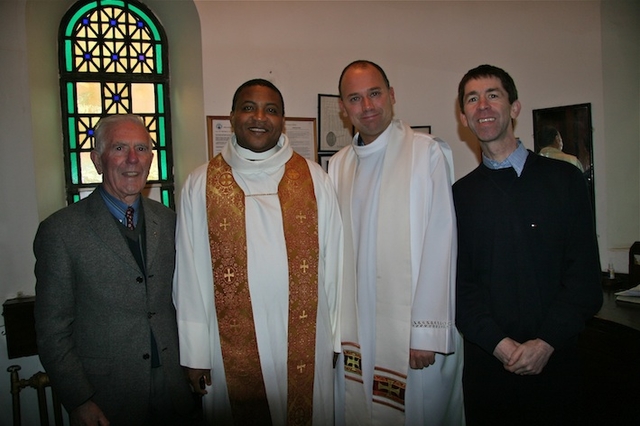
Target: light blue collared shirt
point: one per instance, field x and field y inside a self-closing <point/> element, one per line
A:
<point x="516" y="160"/>
<point x="118" y="208"/>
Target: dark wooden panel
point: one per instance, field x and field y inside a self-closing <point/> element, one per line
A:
<point x="20" y="327"/>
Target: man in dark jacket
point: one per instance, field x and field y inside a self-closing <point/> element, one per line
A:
<point x="528" y="267"/>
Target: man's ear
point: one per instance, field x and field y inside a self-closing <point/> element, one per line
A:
<point x="97" y="161"/>
<point x="515" y="109"/>
<point x="343" y="110"/>
<point x="463" y="119"/>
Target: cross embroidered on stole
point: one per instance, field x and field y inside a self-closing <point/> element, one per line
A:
<point x="228" y="243"/>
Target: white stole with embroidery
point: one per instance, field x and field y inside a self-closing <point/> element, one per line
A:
<point x="393" y="302"/>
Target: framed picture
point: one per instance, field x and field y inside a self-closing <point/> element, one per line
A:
<point x="323" y="159"/>
<point x="218" y="133"/>
<point x="422" y="129"/>
<point x="335" y="132"/>
<point x="565" y="132"/>
<point x="301" y="133"/>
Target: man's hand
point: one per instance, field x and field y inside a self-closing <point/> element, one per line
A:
<point x="421" y="359"/>
<point x="88" y="414"/>
<point x="530" y="357"/>
<point x="505" y="349"/>
<point x="197" y="378"/>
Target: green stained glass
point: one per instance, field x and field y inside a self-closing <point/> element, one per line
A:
<point x="76" y="198"/>
<point x="165" y="197"/>
<point x="73" y="158"/>
<point x="160" y="89"/>
<point x="161" y="135"/>
<point x="163" y="164"/>
<point x="159" y="58"/>
<point x="70" y="99"/>
<point x="117" y="3"/>
<point x="73" y="139"/>
<point x="68" y="49"/>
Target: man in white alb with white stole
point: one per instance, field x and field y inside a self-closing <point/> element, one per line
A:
<point x="402" y="355"/>
<point x="258" y="275"/>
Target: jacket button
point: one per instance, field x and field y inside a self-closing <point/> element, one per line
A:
<point x="139" y="280"/>
<point x="150" y="314"/>
<point x="145" y="356"/>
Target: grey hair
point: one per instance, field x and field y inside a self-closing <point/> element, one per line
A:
<point x="106" y="125"/>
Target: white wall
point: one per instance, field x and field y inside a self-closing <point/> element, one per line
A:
<point x="553" y="50"/>
<point x="558" y="52"/>
<point x="621" y="89"/>
<point x="19" y="213"/>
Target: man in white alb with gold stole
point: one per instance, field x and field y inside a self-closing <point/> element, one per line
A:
<point x="402" y="355"/>
<point x="258" y="275"/>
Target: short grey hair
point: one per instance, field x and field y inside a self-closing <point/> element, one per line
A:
<point x="106" y="125"/>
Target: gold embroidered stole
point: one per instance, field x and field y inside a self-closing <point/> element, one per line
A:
<point x="228" y="243"/>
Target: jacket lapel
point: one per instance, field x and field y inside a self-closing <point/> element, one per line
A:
<point x="153" y="229"/>
<point x="101" y="221"/>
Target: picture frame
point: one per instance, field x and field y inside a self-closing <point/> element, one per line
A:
<point x="334" y="131"/>
<point x="323" y="159"/>
<point x="302" y="135"/>
<point x="219" y="132"/>
<point x="300" y="130"/>
<point x="573" y="122"/>
<point x="422" y="129"/>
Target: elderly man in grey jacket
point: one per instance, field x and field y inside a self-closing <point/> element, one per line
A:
<point x="105" y="321"/>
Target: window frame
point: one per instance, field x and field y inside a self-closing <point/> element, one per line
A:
<point x="77" y="127"/>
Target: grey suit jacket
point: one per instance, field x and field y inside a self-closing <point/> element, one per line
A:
<point x="95" y="308"/>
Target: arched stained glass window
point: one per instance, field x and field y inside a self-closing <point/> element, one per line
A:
<point x="113" y="60"/>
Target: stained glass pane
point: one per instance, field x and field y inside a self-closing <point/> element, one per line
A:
<point x="163" y="164"/>
<point x="143" y="98"/>
<point x="161" y="137"/>
<point x="86" y="126"/>
<point x="160" y="98"/>
<point x="73" y="159"/>
<point x="71" y="102"/>
<point x="153" y="173"/>
<point x="165" y="197"/>
<point x="89" y="172"/>
<point x="89" y="99"/>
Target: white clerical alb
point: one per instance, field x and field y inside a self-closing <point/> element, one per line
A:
<point x="268" y="281"/>
<point x="395" y="198"/>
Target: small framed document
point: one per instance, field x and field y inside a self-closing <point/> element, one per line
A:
<point x="302" y="135"/>
<point x="335" y="132"/>
<point x="218" y="133"/>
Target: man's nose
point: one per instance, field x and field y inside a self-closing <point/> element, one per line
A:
<point x="260" y="114"/>
<point x="132" y="157"/>
<point x="367" y="104"/>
